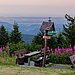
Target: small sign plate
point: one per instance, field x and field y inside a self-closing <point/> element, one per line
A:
<point x="51" y="33"/>
<point x="47" y="37"/>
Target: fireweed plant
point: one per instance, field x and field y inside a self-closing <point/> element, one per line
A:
<point x="60" y="55"/>
<point x="5" y="52"/>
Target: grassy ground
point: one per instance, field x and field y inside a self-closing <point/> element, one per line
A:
<point x="8" y="67"/>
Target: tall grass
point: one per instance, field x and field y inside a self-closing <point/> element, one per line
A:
<point x="8" y="60"/>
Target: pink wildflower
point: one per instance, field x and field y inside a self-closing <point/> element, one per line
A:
<point x="61" y="53"/>
<point x="59" y="49"/>
<point x="70" y="50"/>
<point x="56" y="51"/>
<point x="51" y="50"/>
<point x="7" y="47"/>
<point x="12" y="54"/>
<point x="1" y="50"/>
<point x="3" y="47"/>
<point x="47" y="48"/>
<point x="67" y="50"/>
<point x="70" y="45"/>
<point x="5" y="52"/>
<point x="74" y="48"/>
<point x="63" y="50"/>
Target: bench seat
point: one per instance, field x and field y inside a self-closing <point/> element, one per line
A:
<point x="38" y="62"/>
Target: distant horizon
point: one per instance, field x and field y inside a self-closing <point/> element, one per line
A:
<point x="36" y="16"/>
<point x="39" y="16"/>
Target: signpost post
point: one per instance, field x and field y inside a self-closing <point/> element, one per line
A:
<point x="44" y="58"/>
<point x="49" y="30"/>
<point x="50" y="33"/>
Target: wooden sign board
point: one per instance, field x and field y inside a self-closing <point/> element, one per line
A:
<point x="46" y="37"/>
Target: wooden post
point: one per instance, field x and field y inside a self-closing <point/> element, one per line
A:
<point x="44" y="58"/>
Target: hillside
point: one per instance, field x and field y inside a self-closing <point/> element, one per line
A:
<point x="27" y="38"/>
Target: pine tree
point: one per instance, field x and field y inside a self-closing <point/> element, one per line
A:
<point x="4" y="37"/>
<point x="69" y="30"/>
<point x="38" y="39"/>
<point x="15" y="36"/>
<point x="61" y="41"/>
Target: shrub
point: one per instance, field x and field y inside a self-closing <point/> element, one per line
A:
<point x="61" y="55"/>
<point x="31" y="48"/>
<point x="60" y="59"/>
<point x="15" y="47"/>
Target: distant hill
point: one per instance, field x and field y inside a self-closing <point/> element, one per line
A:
<point x="27" y="38"/>
<point x="7" y="25"/>
<point x="31" y="29"/>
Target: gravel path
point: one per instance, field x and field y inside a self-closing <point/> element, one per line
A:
<point x="54" y="66"/>
<point x="60" y="67"/>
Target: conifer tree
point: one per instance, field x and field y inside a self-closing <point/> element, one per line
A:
<point x="38" y="39"/>
<point x="15" y="36"/>
<point x="69" y="30"/>
<point x="4" y="37"/>
<point x="61" y="41"/>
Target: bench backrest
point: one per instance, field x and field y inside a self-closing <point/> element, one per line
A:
<point x="72" y="58"/>
<point x="20" y="52"/>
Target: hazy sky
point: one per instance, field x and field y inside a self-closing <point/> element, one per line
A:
<point x="37" y="8"/>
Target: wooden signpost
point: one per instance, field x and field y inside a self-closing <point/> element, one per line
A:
<point x="49" y="30"/>
<point x="49" y="33"/>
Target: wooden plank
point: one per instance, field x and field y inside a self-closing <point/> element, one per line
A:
<point x="33" y="53"/>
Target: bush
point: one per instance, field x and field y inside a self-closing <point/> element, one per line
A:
<point x="31" y="48"/>
<point x="60" y="59"/>
<point x="15" y="47"/>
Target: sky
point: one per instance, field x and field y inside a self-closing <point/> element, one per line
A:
<point x="36" y="8"/>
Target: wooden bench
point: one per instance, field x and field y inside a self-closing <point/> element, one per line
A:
<point x="20" y="57"/>
<point x="29" y="55"/>
<point x="72" y="58"/>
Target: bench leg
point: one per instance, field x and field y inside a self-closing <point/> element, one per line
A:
<point x="29" y="61"/>
<point x="35" y="57"/>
